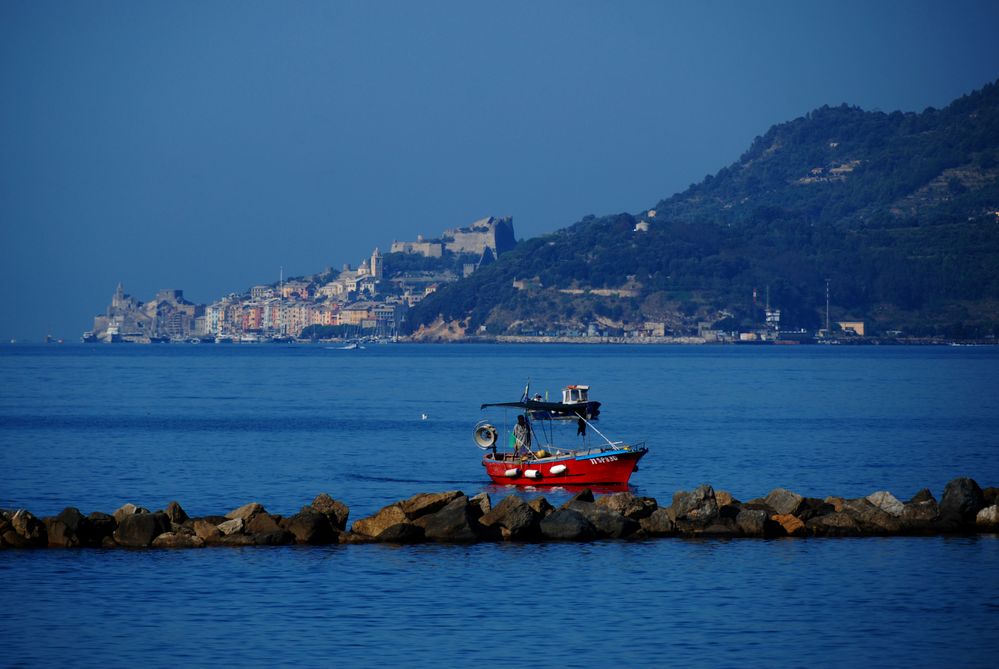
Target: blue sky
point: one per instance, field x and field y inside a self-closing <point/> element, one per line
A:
<point x="203" y="145"/>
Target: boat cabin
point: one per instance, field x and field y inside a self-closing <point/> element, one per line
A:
<point x="575" y="394"/>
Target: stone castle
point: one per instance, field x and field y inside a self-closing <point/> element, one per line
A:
<point x="493" y="233"/>
<point x="168" y="315"/>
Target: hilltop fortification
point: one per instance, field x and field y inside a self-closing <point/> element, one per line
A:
<point x="492" y="233"/>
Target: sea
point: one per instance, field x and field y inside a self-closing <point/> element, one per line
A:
<point x="216" y="426"/>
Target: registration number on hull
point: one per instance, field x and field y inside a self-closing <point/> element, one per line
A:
<point x="606" y="458"/>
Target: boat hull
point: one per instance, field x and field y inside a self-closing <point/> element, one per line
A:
<point x="612" y="467"/>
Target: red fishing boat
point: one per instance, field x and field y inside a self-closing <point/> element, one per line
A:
<point x="531" y="456"/>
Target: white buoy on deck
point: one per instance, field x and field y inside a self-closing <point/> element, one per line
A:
<point x="532" y="474"/>
<point x="512" y="473"/>
<point x="557" y="469"/>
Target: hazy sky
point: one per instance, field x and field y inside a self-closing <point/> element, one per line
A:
<point x="201" y="145"/>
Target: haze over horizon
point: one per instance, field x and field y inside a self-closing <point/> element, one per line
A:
<point x="203" y="146"/>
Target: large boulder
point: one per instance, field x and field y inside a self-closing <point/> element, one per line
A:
<point x="102" y="526"/>
<point x="920" y="513"/>
<point x="128" y="509"/>
<point x="206" y="529"/>
<point x="567" y="525"/>
<point x="628" y="505"/>
<point x="784" y="502"/>
<point x="264" y="523"/>
<point x="606" y="522"/>
<point x="311" y="527"/>
<point x="278" y="537"/>
<point x="427" y="503"/>
<point x="752" y="522"/>
<point x="27" y="531"/>
<point x="246" y="511"/>
<point x="658" y="523"/>
<point x="402" y="533"/>
<point x="339" y="511"/>
<point x="835" y="524"/>
<point x="178" y="540"/>
<point x="374" y="525"/>
<point x="482" y="503"/>
<point x="455" y="523"/>
<point x="139" y="529"/>
<point x="176" y="514"/>
<point x="887" y="502"/>
<point x="962" y="500"/>
<point x="790" y="525"/>
<point x="870" y="519"/>
<point x="70" y="529"/>
<point x="692" y="511"/>
<point x="232" y="526"/>
<point x="541" y="506"/>
<point x="988" y="518"/>
<point x="513" y="518"/>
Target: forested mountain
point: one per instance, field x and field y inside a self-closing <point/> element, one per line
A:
<point x="899" y="211"/>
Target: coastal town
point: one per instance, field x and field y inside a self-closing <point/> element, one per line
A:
<point x="349" y="303"/>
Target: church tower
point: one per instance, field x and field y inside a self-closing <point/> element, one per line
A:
<point x="376" y="263"/>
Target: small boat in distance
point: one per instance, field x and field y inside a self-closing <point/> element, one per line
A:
<point x="531" y="457"/>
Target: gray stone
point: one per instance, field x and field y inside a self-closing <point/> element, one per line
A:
<point x="455" y="523"/>
<point x="138" y="530"/>
<point x="751" y="522"/>
<point x="541" y="506"/>
<point x="102" y="525"/>
<point x="606" y="522"/>
<point x="870" y="518"/>
<point x="246" y="511"/>
<point x="961" y="501"/>
<point x="232" y="526"/>
<point x="128" y="509"/>
<point x="836" y="524"/>
<point x="628" y="505"/>
<point x="427" y="503"/>
<point x="658" y="523"/>
<point x="988" y="517"/>
<point x="231" y="540"/>
<point x="783" y="501"/>
<point x="263" y="523"/>
<point x="374" y="525"/>
<point x="278" y="537"/>
<point x="402" y="533"/>
<point x="483" y="503"/>
<point x="921" y="513"/>
<point x="31" y="530"/>
<point x="339" y="511"/>
<point x="887" y="502"/>
<point x="567" y="525"/>
<point x="176" y="514"/>
<point x="695" y="510"/>
<point x="513" y="518"/>
<point x="312" y="528"/>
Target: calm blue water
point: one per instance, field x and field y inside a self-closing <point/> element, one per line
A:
<point x="215" y="427"/>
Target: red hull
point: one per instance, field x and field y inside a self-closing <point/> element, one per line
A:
<point x="610" y="467"/>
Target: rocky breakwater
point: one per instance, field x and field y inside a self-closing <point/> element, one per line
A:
<point x="321" y="522"/>
<point x="453" y="517"/>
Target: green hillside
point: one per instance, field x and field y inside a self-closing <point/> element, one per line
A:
<point x="898" y="211"/>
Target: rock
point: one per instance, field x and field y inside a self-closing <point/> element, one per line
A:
<point x="138" y="530"/>
<point x="791" y="525"/>
<point x="887" y="502"/>
<point x="835" y="502"/>
<point x="205" y="529"/>
<point x="483" y="502"/>
<point x="567" y="525"/>
<point x="990" y="496"/>
<point x="455" y="523"/>
<point x="278" y="537"/>
<point x="102" y="525"/>
<point x="695" y="510"/>
<point x="231" y="540"/>
<point x="427" y="503"/>
<point x="176" y="514"/>
<point x="836" y="524"/>
<point x="606" y="522"/>
<point x="514" y="519"/>
<point x="752" y="522"/>
<point x="870" y="518"/>
<point x="921" y="513"/>
<point x="402" y="533"/>
<point x="541" y="506"/>
<point x="233" y="526"/>
<point x="584" y="495"/>
<point x="812" y="508"/>
<point x="312" y="528"/>
<point x="988" y="517"/>
<point x="178" y="540"/>
<point x="246" y="511"/>
<point x="658" y="523"/>
<point x="323" y="503"/>
<point x="264" y="523"/>
<point x="721" y="528"/>
<point x="724" y="498"/>
<point x="374" y="525"/>
<point x="127" y="509"/>
<point x="31" y="531"/>
<point x="962" y="500"/>
<point x="70" y="529"/>
<point x="785" y="502"/>
<point x="628" y="505"/>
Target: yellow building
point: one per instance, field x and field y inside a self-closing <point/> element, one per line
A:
<point x="852" y="327"/>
